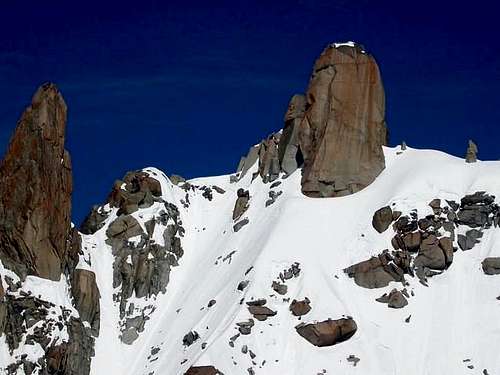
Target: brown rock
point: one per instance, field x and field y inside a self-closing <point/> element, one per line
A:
<point x="35" y="190"/>
<point x="86" y="297"/>
<point x="137" y="190"/>
<point x="328" y="332"/>
<point x="343" y="130"/>
<point x="241" y="204"/>
<point x="299" y="308"/>
<point x="202" y="370"/>
<point x="412" y="241"/>
<point x="382" y="218"/>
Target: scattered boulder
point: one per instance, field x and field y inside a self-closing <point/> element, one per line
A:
<point x="261" y="312"/>
<point x="431" y="255"/>
<point x="376" y="272"/>
<point x="279" y="288"/>
<point x="257" y="302"/>
<point x="352" y="358"/>
<point x="240" y="224"/>
<point x="241" y="204"/>
<point x="328" y="332"/>
<point x="491" y="266"/>
<point x="467" y="241"/>
<point x="245" y="328"/>
<point x="203" y="370"/>
<point x="382" y="219"/>
<point x="395" y="299"/>
<point x="299" y="308"/>
<point x="190" y="338"/>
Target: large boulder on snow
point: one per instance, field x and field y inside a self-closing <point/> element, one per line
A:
<point x="36" y="186"/>
<point x="202" y="370"/>
<point x="491" y="266"/>
<point x="382" y="219"/>
<point x="328" y="332"/>
<point x="343" y="129"/>
<point x="376" y="272"/>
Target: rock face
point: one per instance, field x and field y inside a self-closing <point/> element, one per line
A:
<point x="72" y="357"/>
<point x="343" y="129"/>
<point x="328" y="332"/>
<point x="86" y="296"/>
<point x="289" y="154"/>
<point x="35" y="222"/>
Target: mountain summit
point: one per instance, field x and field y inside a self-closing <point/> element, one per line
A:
<point x="326" y="252"/>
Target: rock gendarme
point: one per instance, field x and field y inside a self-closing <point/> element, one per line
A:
<point x="343" y="129"/>
<point x="35" y="190"/>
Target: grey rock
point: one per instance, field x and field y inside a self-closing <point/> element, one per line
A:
<point x="190" y="338"/>
<point x="240" y="224"/>
<point x="176" y="179"/>
<point x="279" y="288"/>
<point x="467" y="241"/>
<point x="430" y="254"/>
<point x="94" y="221"/>
<point x="491" y="266"/>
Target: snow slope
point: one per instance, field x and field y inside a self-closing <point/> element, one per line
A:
<point x="454" y="319"/>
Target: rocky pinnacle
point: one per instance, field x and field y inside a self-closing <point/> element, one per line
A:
<point x="35" y="190"/>
<point x="343" y="129"/>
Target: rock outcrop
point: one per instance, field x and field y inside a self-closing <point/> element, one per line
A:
<point x="35" y="190"/>
<point x="86" y="298"/>
<point x="289" y="154"/>
<point x="343" y="129"/>
<point x="328" y="332"/>
<point x="491" y="266"/>
<point x="471" y="154"/>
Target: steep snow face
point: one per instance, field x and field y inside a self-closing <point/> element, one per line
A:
<point x="448" y="327"/>
<point x="452" y="324"/>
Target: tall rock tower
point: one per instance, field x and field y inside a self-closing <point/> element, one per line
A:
<point x="343" y="128"/>
<point x="35" y="190"/>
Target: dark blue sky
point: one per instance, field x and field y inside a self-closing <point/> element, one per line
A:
<point x="189" y="86"/>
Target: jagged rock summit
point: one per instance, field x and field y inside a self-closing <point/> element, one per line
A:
<point x="343" y="130"/>
<point x="335" y="132"/>
<point x="35" y="190"/>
